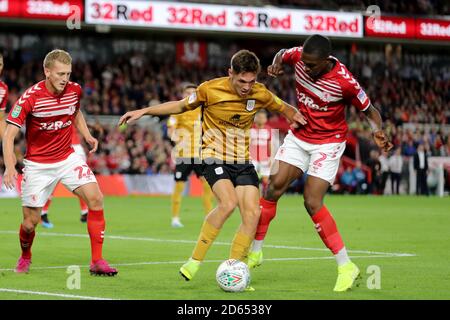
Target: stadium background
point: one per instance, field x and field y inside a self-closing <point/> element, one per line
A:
<point x="127" y="56"/>
<point x="124" y="63"/>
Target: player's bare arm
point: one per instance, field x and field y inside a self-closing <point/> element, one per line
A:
<point x="82" y="127"/>
<point x="167" y="108"/>
<point x="10" y="175"/>
<point x="294" y="116"/>
<point x="276" y="68"/>
<point x="376" y="123"/>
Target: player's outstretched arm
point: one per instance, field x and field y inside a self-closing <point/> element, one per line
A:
<point x="276" y="68"/>
<point x="10" y="175"/>
<point x="376" y="123"/>
<point x="82" y="127"/>
<point x="294" y="116"/>
<point x="171" y="107"/>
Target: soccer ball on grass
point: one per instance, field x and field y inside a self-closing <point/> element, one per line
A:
<point x="233" y="275"/>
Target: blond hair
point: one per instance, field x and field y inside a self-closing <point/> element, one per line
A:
<point x="57" y="55"/>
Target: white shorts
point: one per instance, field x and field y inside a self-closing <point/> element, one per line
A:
<point x="319" y="160"/>
<point x="262" y="168"/>
<point x="40" y="179"/>
<point x="80" y="151"/>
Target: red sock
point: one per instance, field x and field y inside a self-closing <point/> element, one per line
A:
<point x="96" y="228"/>
<point x="26" y="241"/>
<point x="83" y="205"/>
<point x="268" y="212"/>
<point x="327" y="229"/>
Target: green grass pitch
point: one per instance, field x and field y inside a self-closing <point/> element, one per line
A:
<point x="406" y="239"/>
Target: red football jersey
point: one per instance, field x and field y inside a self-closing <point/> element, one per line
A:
<point x="75" y="136"/>
<point x="322" y="101"/>
<point x="260" y="140"/>
<point x="48" y="119"/>
<point x="3" y="95"/>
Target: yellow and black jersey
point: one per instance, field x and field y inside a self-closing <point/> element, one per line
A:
<point x="187" y="133"/>
<point x="227" y="118"/>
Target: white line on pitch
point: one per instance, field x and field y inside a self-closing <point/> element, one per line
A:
<point x="53" y="234"/>
<point x="206" y="261"/>
<point x="42" y="293"/>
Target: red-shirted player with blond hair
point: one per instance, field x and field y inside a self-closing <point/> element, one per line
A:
<point x="45" y="221"/>
<point x="324" y="87"/>
<point x="49" y="109"/>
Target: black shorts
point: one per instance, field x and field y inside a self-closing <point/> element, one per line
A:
<point x="238" y="174"/>
<point x="184" y="167"/>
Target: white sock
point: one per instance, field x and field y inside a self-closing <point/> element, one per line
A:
<point x="342" y="257"/>
<point x="257" y="245"/>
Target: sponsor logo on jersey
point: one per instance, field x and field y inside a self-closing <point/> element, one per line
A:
<point x="16" y="111"/>
<point x="235" y="118"/>
<point x="309" y="102"/>
<point x="233" y="121"/>
<point x="250" y="105"/>
<point x="56" y="125"/>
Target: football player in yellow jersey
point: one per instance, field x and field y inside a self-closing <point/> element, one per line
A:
<point x="185" y="130"/>
<point x="229" y="105"/>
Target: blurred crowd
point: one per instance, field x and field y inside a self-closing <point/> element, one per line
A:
<point x="136" y="150"/>
<point x="412" y="92"/>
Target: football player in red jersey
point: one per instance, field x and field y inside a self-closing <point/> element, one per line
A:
<point x="49" y="109"/>
<point x="324" y="87"/>
<point x="3" y="99"/>
<point x="45" y="221"/>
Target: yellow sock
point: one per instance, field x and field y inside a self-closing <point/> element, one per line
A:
<point x="176" y="198"/>
<point x="240" y="246"/>
<point x="207" y="197"/>
<point x="207" y="236"/>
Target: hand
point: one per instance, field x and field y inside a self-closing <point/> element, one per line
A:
<point x="275" y="70"/>
<point x="93" y="143"/>
<point x="297" y="120"/>
<point x="382" y="141"/>
<point x="130" y="116"/>
<point x="10" y="178"/>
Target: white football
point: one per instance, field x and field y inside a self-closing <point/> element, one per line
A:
<point x="233" y="275"/>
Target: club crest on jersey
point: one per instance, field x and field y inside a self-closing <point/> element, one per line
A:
<point x="250" y="105"/>
<point x="16" y="111"/>
<point x="326" y="97"/>
<point x="72" y="110"/>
